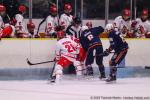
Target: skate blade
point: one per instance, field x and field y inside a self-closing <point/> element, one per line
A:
<point x="102" y="79"/>
<point x="111" y="82"/>
<point x="89" y="77"/>
<point x="50" y="82"/>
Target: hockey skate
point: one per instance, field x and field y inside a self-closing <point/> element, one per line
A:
<point x="102" y="73"/>
<point x="102" y="77"/>
<point x="111" y="79"/>
<point x="112" y="76"/>
<point x="89" y="71"/>
<point x="53" y="79"/>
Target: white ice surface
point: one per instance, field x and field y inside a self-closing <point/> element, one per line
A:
<point x="75" y="90"/>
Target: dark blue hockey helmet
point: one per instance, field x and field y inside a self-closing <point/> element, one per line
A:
<point x="77" y="20"/>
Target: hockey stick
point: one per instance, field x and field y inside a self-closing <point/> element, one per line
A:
<point x="145" y="67"/>
<point x="30" y="63"/>
<point x="52" y="71"/>
<point x="51" y="3"/>
<point x="102" y="54"/>
<point x="40" y="25"/>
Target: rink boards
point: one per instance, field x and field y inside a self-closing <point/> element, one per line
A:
<point x="14" y="52"/>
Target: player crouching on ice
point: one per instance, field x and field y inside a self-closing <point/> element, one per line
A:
<point x="67" y="51"/>
<point x="119" y="45"/>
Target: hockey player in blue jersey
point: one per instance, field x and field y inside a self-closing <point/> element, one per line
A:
<point x="90" y="41"/>
<point x="120" y="46"/>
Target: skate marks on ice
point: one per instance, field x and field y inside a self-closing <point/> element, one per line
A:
<point x="72" y="79"/>
<point x="73" y="89"/>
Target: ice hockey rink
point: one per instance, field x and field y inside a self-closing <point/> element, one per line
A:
<point x="74" y="89"/>
<point x="30" y="82"/>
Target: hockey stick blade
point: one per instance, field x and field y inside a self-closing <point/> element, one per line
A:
<point x="145" y="67"/>
<point x="30" y="63"/>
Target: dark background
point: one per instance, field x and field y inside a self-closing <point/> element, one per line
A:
<point x="93" y="9"/>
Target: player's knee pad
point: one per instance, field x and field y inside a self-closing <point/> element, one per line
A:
<point x="78" y="66"/>
<point x="77" y="63"/>
<point x="58" y="70"/>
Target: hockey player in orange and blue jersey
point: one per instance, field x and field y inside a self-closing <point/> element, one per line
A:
<point x="119" y="45"/>
<point x="90" y="41"/>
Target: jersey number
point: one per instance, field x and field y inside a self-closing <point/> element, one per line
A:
<point x="70" y="48"/>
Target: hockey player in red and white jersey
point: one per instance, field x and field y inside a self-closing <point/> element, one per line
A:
<point x="6" y="30"/>
<point x="123" y="23"/>
<point x="66" y="18"/>
<point x="67" y="51"/>
<point x="31" y="29"/>
<point x="21" y="29"/>
<point x="2" y="12"/>
<point x="142" y="25"/>
<point x="52" y="22"/>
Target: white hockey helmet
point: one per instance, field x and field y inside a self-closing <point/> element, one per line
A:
<point x="109" y="27"/>
<point x="83" y="28"/>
